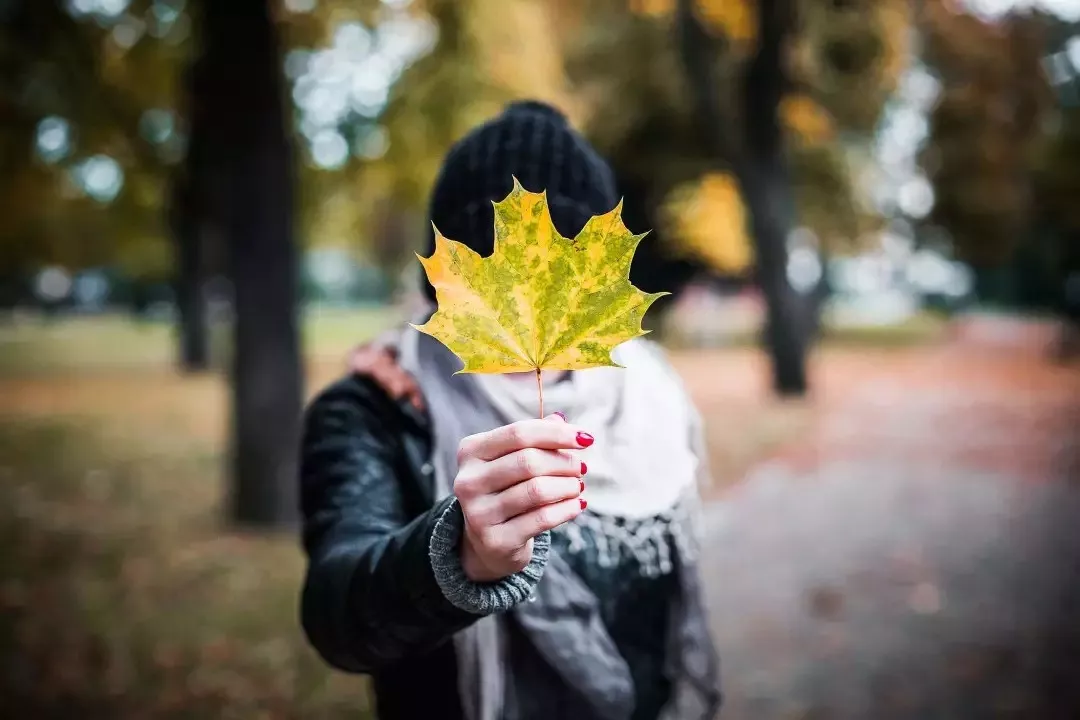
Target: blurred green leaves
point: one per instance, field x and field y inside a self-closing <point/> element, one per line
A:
<point x="993" y="155"/>
<point x="381" y="90"/>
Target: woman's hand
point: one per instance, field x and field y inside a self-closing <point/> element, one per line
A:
<point x="378" y="360"/>
<point x="513" y="483"/>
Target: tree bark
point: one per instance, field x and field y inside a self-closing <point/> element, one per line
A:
<point x="193" y="332"/>
<point x="770" y="197"/>
<point x="766" y="190"/>
<point x="251" y="145"/>
<point x="760" y="164"/>
<point x="189" y="212"/>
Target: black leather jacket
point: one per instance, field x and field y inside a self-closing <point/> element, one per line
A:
<point x="370" y="602"/>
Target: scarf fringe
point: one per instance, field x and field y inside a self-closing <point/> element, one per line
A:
<point x="649" y="541"/>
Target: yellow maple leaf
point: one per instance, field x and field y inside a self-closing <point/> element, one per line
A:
<point x="540" y="301"/>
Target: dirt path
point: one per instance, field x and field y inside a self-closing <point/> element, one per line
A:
<point x="917" y="555"/>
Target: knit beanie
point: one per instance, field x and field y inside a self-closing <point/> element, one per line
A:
<point x="533" y="142"/>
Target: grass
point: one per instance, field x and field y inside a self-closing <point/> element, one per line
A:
<point x="123" y="597"/>
<point x="123" y="593"/>
<point x="113" y="342"/>
<point x="919" y="329"/>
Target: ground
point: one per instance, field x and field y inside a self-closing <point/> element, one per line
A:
<point x="898" y="546"/>
<point x="916" y="554"/>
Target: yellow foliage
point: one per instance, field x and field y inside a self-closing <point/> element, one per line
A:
<point x="707" y="220"/>
<point x="895" y="20"/>
<point x="807" y="119"/>
<point x="735" y="19"/>
<point x="652" y="8"/>
<point x="519" y="50"/>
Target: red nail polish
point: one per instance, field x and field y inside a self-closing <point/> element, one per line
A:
<point x="584" y="503"/>
<point x="581" y="486"/>
<point x="562" y="415"/>
<point x="584" y="468"/>
<point x="584" y="439"/>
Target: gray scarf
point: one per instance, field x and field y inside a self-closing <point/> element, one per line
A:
<point x="562" y="619"/>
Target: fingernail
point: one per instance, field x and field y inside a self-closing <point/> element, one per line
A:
<point x="581" y="486"/>
<point x="560" y="415"/>
<point x="584" y="439"/>
<point x="584" y="468"/>
<point x="584" y="503"/>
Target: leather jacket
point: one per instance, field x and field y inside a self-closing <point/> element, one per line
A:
<point x="370" y="603"/>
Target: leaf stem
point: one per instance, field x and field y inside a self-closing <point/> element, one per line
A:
<point x="540" y="390"/>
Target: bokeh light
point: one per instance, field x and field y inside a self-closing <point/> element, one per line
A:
<point x="348" y="83"/>
<point x="53" y="138"/>
<point x="157" y="125"/>
<point x="100" y="177"/>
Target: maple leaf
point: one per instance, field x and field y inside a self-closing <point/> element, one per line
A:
<point x="539" y="301"/>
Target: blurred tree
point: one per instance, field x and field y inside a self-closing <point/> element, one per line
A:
<point x="708" y="221"/>
<point x="760" y="163"/>
<point x="486" y="54"/>
<point x="248" y="164"/>
<point x="1057" y="170"/>
<point x="742" y="76"/>
<point x="985" y="128"/>
<point x="364" y="156"/>
<point x="616" y="72"/>
<point x="1057" y="188"/>
<point x="192" y="219"/>
<point x="95" y="88"/>
<point x="447" y="92"/>
<point x="91" y="134"/>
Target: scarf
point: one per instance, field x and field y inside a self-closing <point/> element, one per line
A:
<point x="626" y="477"/>
<point x="619" y="407"/>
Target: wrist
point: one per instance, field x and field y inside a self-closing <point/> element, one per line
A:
<point x="475" y="569"/>
<point x="449" y="553"/>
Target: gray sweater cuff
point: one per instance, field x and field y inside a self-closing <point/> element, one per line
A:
<point x="480" y="598"/>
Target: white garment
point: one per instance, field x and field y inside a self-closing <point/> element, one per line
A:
<point x="643" y="460"/>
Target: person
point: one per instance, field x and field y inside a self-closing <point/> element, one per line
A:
<point x="484" y="564"/>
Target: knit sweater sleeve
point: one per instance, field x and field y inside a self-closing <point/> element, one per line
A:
<point x="480" y="598"/>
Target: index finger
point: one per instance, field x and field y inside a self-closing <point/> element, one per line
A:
<point x="551" y="433"/>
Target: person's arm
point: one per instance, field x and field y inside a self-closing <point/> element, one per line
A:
<point x="370" y="596"/>
<point x="380" y="587"/>
<point x="377" y="360"/>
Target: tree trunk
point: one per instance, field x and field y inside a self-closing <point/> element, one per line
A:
<point x="192" y="312"/>
<point x="192" y="316"/>
<point x="788" y="318"/>
<point x="252" y="147"/>
<point x="759" y="162"/>
<point x="188" y="211"/>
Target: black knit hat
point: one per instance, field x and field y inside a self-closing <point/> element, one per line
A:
<point x="533" y="142"/>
